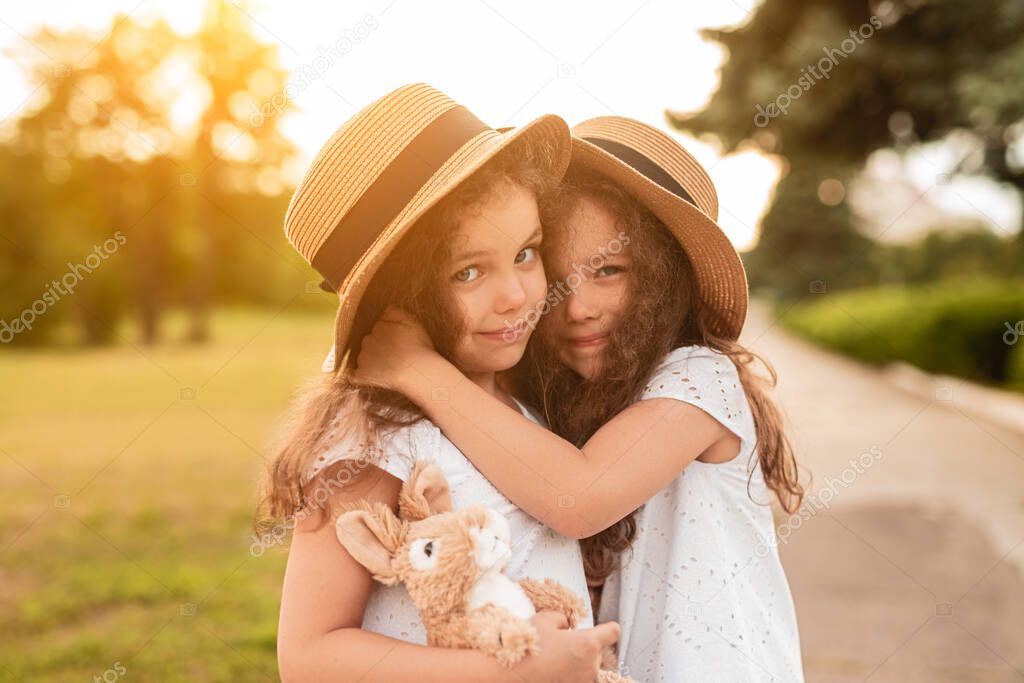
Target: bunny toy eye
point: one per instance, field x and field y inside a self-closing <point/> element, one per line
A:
<point x="423" y="553"/>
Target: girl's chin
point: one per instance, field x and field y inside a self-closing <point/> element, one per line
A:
<point x="491" y="359"/>
<point x="586" y="366"/>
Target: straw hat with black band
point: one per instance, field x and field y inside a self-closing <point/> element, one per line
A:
<point x="664" y="177"/>
<point x="380" y="172"/>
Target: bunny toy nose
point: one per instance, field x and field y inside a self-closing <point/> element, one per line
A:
<point x="493" y="547"/>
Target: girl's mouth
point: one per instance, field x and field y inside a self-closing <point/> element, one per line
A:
<point x="507" y="335"/>
<point x="589" y="341"/>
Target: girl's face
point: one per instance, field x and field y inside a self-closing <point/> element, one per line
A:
<point x="591" y="267"/>
<point x="496" y="278"/>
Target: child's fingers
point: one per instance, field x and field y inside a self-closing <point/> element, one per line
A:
<point x="607" y="633"/>
<point x="550" y="619"/>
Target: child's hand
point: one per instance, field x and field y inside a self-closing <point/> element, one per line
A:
<point x="565" y="655"/>
<point x="394" y="346"/>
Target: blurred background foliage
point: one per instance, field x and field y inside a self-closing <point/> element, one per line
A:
<point x="112" y="143"/>
<point x="936" y="71"/>
<point x="933" y="69"/>
<point x="157" y="136"/>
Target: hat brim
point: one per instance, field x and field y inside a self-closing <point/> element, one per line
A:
<point x="720" y="274"/>
<point x="548" y="129"/>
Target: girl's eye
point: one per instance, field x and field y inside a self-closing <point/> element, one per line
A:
<point x="467" y="274"/>
<point x="527" y="255"/>
<point x="606" y="271"/>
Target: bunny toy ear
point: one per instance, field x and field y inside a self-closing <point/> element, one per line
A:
<point x="371" y="534"/>
<point x="425" y="493"/>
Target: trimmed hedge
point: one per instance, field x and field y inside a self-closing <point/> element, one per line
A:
<point x="966" y="328"/>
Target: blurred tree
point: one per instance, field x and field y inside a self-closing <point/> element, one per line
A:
<point x="238" y="147"/>
<point x="22" y="279"/>
<point x="945" y="253"/>
<point x="94" y="135"/>
<point x="149" y="135"/>
<point x="823" y="83"/>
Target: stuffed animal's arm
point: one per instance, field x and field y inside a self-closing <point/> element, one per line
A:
<point x="496" y="631"/>
<point x="552" y="596"/>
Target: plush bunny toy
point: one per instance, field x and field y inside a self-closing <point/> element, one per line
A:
<point x="452" y="563"/>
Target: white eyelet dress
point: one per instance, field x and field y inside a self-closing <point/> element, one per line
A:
<point x="701" y="595"/>
<point x="537" y="551"/>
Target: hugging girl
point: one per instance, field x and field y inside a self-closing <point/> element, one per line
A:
<point x="392" y="210"/>
<point x="628" y="439"/>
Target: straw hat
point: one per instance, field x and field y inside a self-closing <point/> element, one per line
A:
<point x="380" y="172"/>
<point x="665" y="178"/>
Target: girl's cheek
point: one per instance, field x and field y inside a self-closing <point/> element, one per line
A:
<point x="623" y="297"/>
<point x="537" y="287"/>
<point x="464" y="308"/>
<point x="615" y="300"/>
<point x="552" y="331"/>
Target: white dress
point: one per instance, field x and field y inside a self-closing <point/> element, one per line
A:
<point x="537" y="551"/>
<point x="701" y="595"/>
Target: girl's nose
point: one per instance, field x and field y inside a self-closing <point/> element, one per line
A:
<point x="580" y="306"/>
<point x="511" y="296"/>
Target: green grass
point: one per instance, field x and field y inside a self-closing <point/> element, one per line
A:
<point x="126" y="507"/>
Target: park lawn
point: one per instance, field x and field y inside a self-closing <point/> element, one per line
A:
<point x="129" y="480"/>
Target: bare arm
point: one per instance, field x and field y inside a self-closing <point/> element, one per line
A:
<point x="576" y="492"/>
<point x="325" y="595"/>
<point x="322" y="604"/>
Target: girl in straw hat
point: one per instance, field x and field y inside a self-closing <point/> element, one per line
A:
<point x="414" y="202"/>
<point x="665" y="447"/>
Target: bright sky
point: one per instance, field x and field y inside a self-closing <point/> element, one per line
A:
<point x="507" y="61"/>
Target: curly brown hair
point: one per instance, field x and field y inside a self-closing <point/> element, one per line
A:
<point x="331" y="409"/>
<point x="664" y="314"/>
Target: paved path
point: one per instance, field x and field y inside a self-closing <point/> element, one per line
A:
<point x="912" y="571"/>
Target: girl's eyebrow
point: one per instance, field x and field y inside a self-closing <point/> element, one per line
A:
<point x="469" y="255"/>
<point x="537" y="233"/>
<point x="477" y="253"/>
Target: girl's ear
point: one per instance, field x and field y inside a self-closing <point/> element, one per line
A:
<point x="425" y="493"/>
<point x="372" y="537"/>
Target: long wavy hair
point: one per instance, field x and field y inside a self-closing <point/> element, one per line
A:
<point x="331" y="409"/>
<point x="663" y="314"/>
